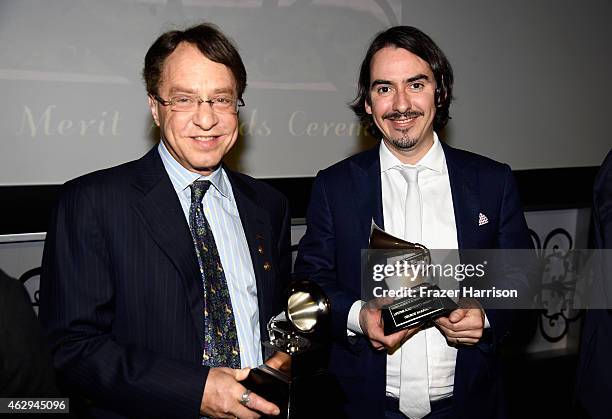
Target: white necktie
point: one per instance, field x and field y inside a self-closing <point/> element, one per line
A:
<point x="414" y="381"/>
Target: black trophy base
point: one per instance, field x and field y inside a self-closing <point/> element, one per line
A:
<point x="416" y="309"/>
<point x="272" y="385"/>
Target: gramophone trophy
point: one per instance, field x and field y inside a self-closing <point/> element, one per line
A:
<point x="418" y="306"/>
<point x="294" y="332"/>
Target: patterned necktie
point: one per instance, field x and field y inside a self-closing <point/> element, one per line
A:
<point x="220" y="336"/>
<point x="414" y="385"/>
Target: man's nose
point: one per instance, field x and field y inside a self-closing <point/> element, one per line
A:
<point x="402" y="101"/>
<point x="205" y="117"/>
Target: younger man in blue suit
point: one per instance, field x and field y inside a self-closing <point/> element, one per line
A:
<point x="458" y="200"/>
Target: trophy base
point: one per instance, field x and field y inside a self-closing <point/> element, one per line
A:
<point x="272" y="385"/>
<point x="415" y="310"/>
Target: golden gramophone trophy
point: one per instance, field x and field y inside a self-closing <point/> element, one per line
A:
<point x="294" y="332"/>
<point x="420" y="303"/>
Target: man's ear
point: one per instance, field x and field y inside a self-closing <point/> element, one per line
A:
<point x="154" y="109"/>
<point x="368" y="107"/>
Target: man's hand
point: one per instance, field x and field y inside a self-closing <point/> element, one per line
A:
<point x="280" y="361"/>
<point x="222" y="393"/>
<point x="371" y="324"/>
<point x="464" y="325"/>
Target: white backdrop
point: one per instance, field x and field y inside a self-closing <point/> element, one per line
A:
<point x="532" y="79"/>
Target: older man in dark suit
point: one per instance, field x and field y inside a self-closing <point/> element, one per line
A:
<point x="159" y="275"/>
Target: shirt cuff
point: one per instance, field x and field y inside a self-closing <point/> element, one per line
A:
<point x="352" y="323"/>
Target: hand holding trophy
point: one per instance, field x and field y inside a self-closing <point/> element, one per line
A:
<point x="292" y="332"/>
<point x="418" y="304"/>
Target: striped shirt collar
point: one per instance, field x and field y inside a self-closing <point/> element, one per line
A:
<point x="181" y="178"/>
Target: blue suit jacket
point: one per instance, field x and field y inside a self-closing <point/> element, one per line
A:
<point x="121" y="292"/>
<point x="345" y="198"/>
<point x="594" y="380"/>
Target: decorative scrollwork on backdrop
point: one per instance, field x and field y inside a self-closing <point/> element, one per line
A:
<point x="556" y="292"/>
<point x="27" y="276"/>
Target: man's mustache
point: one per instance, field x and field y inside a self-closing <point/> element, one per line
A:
<point x="399" y="115"/>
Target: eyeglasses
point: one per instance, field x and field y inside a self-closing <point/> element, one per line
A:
<point x="190" y="103"/>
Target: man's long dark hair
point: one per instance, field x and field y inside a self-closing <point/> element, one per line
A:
<point x="211" y="42"/>
<point x="421" y="45"/>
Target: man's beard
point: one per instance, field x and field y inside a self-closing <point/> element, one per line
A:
<point x="404" y="142"/>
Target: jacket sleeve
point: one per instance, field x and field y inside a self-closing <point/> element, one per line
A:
<point x="317" y="255"/>
<point x="514" y="234"/>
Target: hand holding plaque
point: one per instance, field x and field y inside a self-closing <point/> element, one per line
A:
<point x="419" y="303"/>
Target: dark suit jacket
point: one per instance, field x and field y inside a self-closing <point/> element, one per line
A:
<point x="345" y="198"/>
<point x="121" y="289"/>
<point x="25" y="365"/>
<point x="594" y="375"/>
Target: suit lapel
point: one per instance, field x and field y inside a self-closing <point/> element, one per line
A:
<point x="161" y="212"/>
<point x="466" y="202"/>
<point x="257" y="230"/>
<point x="366" y="182"/>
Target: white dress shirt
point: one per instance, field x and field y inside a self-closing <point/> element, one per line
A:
<point x="438" y="232"/>
<point x="222" y="214"/>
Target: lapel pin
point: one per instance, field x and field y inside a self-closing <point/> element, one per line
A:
<point x="267" y="266"/>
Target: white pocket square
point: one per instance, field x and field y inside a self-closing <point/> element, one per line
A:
<point x="482" y="219"/>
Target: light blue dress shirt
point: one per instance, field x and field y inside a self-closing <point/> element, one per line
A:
<point x="222" y="214"/>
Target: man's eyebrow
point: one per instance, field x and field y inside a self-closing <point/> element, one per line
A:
<point x="378" y="82"/>
<point x="223" y="90"/>
<point x="184" y="89"/>
<point x="417" y="77"/>
<point x="181" y="89"/>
